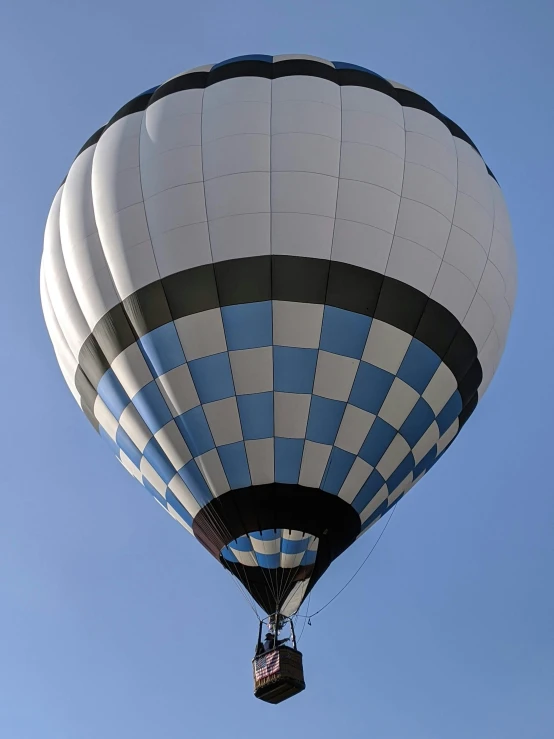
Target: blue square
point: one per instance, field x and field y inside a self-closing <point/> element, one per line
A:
<point x="193" y="479"/>
<point x="256" y="415"/>
<point x="450" y="412"/>
<point x="294" y="369"/>
<point x="152" y="407"/>
<point x="265" y="535"/>
<point x="235" y="464"/>
<point x="242" y="544"/>
<point x="113" y="394"/>
<point x="344" y="332"/>
<point x="248" y="326"/>
<point x="180" y="509"/>
<point x="162" y="349"/>
<point x="401" y="472"/>
<point x="370" y="387"/>
<point x="228" y="555"/>
<point x="269" y="561"/>
<point x="154" y="493"/>
<point x="212" y="377"/>
<point x="381" y="510"/>
<point x="309" y="557"/>
<point x="288" y="458"/>
<point x="324" y="419"/>
<point x="294" y="546"/>
<point x="111" y="443"/>
<point x="161" y="464"/>
<point x="338" y="467"/>
<point x="125" y="443"/>
<point x="426" y="463"/>
<point x="195" y="431"/>
<point x="417" y="422"/>
<point x="369" y="490"/>
<point x="377" y="441"/>
<point x="418" y="366"/>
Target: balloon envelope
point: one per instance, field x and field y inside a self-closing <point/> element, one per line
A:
<point x="278" y="288"/>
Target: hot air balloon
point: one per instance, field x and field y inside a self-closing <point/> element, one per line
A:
<point x="278" y="288"/>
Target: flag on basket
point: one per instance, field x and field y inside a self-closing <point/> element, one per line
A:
<point x="267" y="664"/>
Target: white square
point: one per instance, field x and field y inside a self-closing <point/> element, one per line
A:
<point x="178" y="391"/>
<point x="211" y="468"/>
<point x="150" y="474"/>
<point x="395" y="454"/>
<point x="440" y="388"/>
<point x="260" y="460"/>
<point x="359" y="472"/>
<point x="297" y="324"/>
<point x="369" y="204"/>
<point x="104" y="417"/>
<point x="447" y="437"/>
<point x="183" y="495"/>
<point x="374" y="503"/>
<point x="129" y="466"/>
<point x="202" y="334"/>
<point x="131" y="422"/>
<point x="401" y="488"/>
<point x="314" y="462"/>
<point x="223" y="420"/>
<point x="334" y="375"/>
<point x="291" y="414"/>
<point x="173" y="445"/>
<point x="386" y="346"/>
<point x="354" y="428"/>
<point x="426" y="443"/>
<point x="252" y="370"/>
<point x="399" y="403"/>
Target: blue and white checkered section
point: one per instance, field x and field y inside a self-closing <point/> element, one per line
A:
<point x="272" y="549"/>
<point x="278" y="391"/>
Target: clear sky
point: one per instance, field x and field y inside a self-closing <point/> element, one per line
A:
<point x="115" y="623"/>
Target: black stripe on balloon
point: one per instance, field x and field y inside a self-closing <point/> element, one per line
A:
<point x="278" y="506"/>
<point x="287" y="278"/>
<point x="343" y="77"/>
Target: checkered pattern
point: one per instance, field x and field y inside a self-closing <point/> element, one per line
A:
<point x="276" y="391"/>
<point x="272" y="549"/>
<point x="382" y="205"/>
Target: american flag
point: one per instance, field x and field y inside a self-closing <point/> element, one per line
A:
<point x="267" y="664"/>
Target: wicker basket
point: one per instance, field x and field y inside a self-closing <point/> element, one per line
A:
<point x="278" y="675"/>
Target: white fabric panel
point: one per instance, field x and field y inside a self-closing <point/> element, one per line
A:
<point x="359" y="472"/>
<point x="413" y="264"/>
<point x="170" y="168"/>
<point x="240" y="236"/>
<point x="314" y="462"/>
<point x="131" y="370"/>
<point x="489" y="357"/>
<point x="295" y="598"/>
<point x="236" y="90"/>
<point x="129" y="466"/>
<point x="223" y="420"/>
<point x="302" y="235"/>
<point x="305" y="116"/>
<point x="303" y="192"/>
<point x="150" y="474"/>
<point x="399" y="403"/>
<point x="431" y="153"/>
<point x="252" y="370"/>
<point x="402" y="488"/>
<point x="236" y="154"/>
<point x="502" y="324"/>
<point x="64" y="355"/>
<point x="172" y="123"/>
<point x="271" y="546"/>
<point x="372" y="101"/>
<point x="374" y="503"/>
<point x="211" y="468"/>
<point x="386" y="346"/>
<point x="424" y="225"/>
<point x="173" y="513"/>
<point x="334" y="375"/>
<point x="426" y="443"/>
<point x="183" y="495"/>
<point x="68" y="313"/>
<point x="479" y="321"/>
<point x="303" y="87"/>
<point x="134" y="426"/>
<point x="82" y="251"/>
<point x="453" y="290"/>
<point x="447" y="437"/>
<point x="390" y="460"/>
<point x="418" y="121"/>
<point x="173" y="445"/>
<point x="429" y="187"/>
<point x="369" y="204"/>
<point x="305" y="152"/>
<point x="260" y="455"/>
<point x="297" y="324"/>
<point x="237" y="194"/>
<point x="105" y="418"/>
<point x="119" y="209"/>
<point x="492" y="288"/>
<point x="291" y="414"/>
<point x="470" y="216"/>
<point x="501" y="217"/>
<point x="362" y="245"/>
<point x="371" y="164"/>
<point x="354" y="428"/>
<point x="370" y="128"/>
<point x="467" y="254"/>
<point x="174" y="208"/>
<point x="473" y="178"/>
<point x="201" y="334"/>
<point x="178" y="390"/>
<point x="239" y="117"/>
<point x="502" y="256"/>
<point x="440" y="388"/>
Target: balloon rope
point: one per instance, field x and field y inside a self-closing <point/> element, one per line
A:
<point x="354" y="575"/>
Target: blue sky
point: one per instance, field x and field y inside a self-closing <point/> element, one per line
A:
<point x="113" y="621"/>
